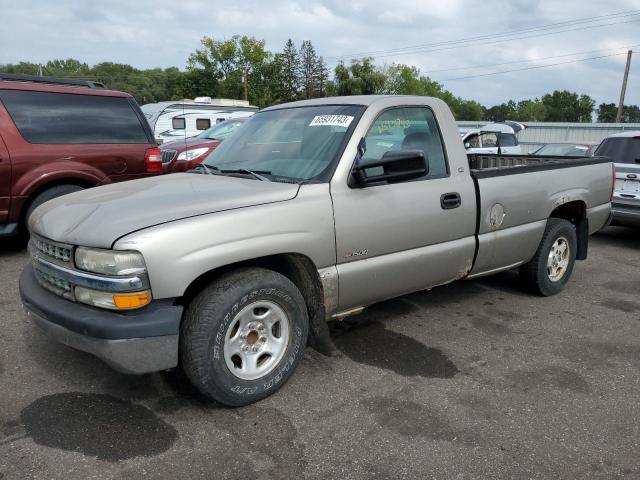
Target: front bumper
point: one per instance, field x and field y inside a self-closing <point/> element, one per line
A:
<point x="135" y="342"/>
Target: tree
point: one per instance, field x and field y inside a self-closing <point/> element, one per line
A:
<point x="308" y="69"/>
<point x="531" y="111"/>
<point x="504" y="111"/>
<point x="288" y="63"/>
<point x="565" y="106"/>
<point x="322" y="77"/>
<point x="360" y="78"/>
<point x="607" y="112"/>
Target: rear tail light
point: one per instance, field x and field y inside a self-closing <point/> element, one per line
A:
<point x="153" y="160"/>
<point x="613" y="181"/>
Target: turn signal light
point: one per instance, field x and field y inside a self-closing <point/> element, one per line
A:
<point x="127" y="301"/>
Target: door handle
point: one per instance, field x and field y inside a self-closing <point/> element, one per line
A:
<point x="450" y="200"/>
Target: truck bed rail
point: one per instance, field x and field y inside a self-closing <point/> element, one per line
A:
<point x="483" y="165"/>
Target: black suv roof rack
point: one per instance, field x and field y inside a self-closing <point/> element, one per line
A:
<point x="18" y="77"/>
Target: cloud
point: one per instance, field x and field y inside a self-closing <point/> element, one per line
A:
<point x="162" y="33"/>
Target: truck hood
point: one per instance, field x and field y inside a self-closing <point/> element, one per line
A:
<point x="97" y="217"/>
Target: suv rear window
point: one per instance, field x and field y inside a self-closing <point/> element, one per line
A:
<point x="621" y="149"/>
<point x="59" y="118"/>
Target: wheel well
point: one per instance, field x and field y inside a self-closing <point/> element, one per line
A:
<point x="576" y="213"/>
<point x="54" y="183"/>
<point x="296" y="267"/>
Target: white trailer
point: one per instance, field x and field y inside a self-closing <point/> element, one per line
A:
<point x="188" y="118"/>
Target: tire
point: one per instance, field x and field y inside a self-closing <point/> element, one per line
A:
<point x="229" y="327"/>
<point x="50" y="194"/>
<point x="547" y="276"/>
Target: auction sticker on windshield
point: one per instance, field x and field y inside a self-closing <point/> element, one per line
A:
<point x="331" y="121"/>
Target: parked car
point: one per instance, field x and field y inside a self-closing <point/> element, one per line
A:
<point x="567" y="149"/>
<point x="59" y="136"/>
<point x="624" y="149"/>
<point x="302" y="216"/>
<point x="494" y="138"/>
<point x="185" y="154"/>
<point x="188" y="118"/>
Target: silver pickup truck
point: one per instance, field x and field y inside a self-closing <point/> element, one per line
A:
<point x="312" y="211"/>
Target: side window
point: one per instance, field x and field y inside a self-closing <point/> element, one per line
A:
<point x="407" y="128"/>
<point x="178" y="123"/>
<point x="62" y="118"/>
<point x="508" y="140"/>
<point x="203" y="123"/>
<point x="489" y="140"/>
<point x="473" y="141"/>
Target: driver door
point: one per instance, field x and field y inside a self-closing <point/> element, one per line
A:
<point x="397" y="238"/>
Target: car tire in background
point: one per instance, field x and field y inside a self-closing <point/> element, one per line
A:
<point x="550" y="269"/>
<point x="43" y="197"/>
<point x="243" y="336"/>
<point x="49" y="194"/>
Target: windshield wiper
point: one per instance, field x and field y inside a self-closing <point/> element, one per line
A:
<point x="206" y="169"/>
<point x="254" y="173"/>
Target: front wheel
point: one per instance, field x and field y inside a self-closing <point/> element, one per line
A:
<point x="550" y="268"/>
<point x="243" y="336"/>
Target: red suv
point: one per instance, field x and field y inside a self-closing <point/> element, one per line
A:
<point x="58" y="136"/>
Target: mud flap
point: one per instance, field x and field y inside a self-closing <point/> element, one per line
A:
<point x="319" y="338"/>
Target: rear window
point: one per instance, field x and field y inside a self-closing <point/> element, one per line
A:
<point x="61" y="118"/>
<point x="620" y="149"/>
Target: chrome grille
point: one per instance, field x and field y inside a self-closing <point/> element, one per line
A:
<point x="168" y="155"/>
<point x="54" y="250"/>
<point x="54" y="284"/>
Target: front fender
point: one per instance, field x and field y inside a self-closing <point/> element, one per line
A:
<point x="178" y="252"/>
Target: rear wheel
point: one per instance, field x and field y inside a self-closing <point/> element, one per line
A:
<point x="243" y="336"/>
<point x="550" y="268"/>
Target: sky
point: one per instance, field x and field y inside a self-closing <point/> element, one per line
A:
<point x="162" y="33"/>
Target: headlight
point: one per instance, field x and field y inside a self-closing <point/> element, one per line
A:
<point x="193" y="154"/>
<point x="109" y="262"/>
<point x="113" y="301"/>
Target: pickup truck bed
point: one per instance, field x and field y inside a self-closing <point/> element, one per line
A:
<point x="503" y="240"/>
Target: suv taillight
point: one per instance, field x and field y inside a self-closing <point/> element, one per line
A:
<point x="153" y="160"/>
<point x="613" y="181"/>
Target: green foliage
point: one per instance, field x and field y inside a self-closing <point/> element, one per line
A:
<point x="218" y="67"/>
<point x="607" y="113"/>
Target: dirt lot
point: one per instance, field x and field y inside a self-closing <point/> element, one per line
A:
<point x="470" y="380"/>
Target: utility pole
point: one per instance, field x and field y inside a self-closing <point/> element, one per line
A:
<point x="624" y="88"/>
<point x="246" y="83"/>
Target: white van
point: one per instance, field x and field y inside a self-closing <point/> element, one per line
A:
<point x="188" y="118"/>
<point x="499" y="138"/>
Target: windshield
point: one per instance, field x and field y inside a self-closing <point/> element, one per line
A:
<point x="295" y="143"/>
<point x="620" y="149"/>
<point x="564" y="150"/>
<point x="222" y="130"/>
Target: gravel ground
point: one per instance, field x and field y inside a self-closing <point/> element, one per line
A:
<point x="471" y="380"/>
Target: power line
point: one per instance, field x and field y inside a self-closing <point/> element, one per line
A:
<point x="471" y="67"/>
<point x="533" y="67"/>
<point x="508" y="36"/>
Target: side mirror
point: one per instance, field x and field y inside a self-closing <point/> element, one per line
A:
<point x="394" y="166"/>
<point x="467" y="145"/>
<point x="637" y="160"/>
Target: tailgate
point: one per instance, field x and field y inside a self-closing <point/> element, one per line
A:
<point x="627" y="181"/>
